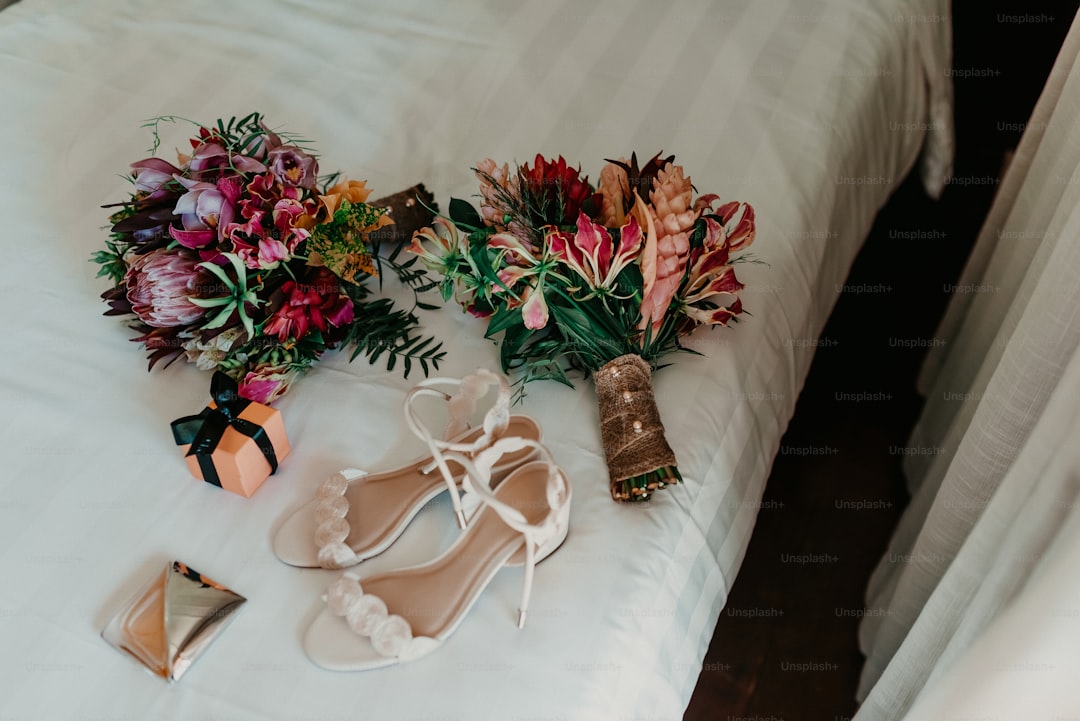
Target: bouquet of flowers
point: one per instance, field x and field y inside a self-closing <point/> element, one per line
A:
<point x="240" y="259"/>
<point x="603" y="280"/>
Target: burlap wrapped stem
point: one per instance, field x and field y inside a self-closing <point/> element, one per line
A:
<point x="639" y="458"/>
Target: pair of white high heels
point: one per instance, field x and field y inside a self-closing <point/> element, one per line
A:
<point x="399" y="616"/>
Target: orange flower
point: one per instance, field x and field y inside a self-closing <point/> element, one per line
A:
<point x="354" y="191"/>
<point x="614" y="192"/>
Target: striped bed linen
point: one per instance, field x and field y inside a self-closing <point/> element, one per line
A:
<point x="811" y="110"/>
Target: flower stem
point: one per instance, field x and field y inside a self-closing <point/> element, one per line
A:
<point x="640" y="488"/>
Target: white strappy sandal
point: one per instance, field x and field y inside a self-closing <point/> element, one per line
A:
<point x="356" y="516"/>
<point x="404" y="615"/>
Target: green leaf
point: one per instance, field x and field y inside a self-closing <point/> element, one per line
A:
<point x="481" y="261"/>
<point x="446" y="290"/>
<point x="222" y="317"/>
<point x="211" y="302"/>
<point x="502" y="319"/>
<point x="464" y="215"/>
<point x="219" y="272"/>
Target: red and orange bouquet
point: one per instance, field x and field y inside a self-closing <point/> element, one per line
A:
<point x="241" y="259"/>
<point x="604" y="280"/>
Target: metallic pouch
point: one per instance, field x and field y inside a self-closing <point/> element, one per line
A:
<point x="170" y="622"/>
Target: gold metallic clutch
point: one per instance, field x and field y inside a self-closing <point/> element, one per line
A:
<point x="170" y="622"/>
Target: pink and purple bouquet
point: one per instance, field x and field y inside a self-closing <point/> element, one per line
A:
<point x="605" y="280"/>
<point x="240" y="258"/>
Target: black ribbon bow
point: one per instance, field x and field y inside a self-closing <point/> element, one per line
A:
<point x="204" y="431"/>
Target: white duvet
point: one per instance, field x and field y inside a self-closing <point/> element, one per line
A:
<point x="810" y="111"/>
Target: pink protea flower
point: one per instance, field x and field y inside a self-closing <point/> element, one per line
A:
<point x="160" y="285"/>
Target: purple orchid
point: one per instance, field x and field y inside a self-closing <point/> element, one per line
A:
<point x="151" y="176"/>
<point x="207" y="206"/>
<point x="212" y="157"/>
<point x="259" y="144"/>
<point x="293" y="167"/>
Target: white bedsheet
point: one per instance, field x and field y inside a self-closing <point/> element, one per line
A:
<point x="811" y="111"/>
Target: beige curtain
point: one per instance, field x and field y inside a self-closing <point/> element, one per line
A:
<point x="975" y="608"/>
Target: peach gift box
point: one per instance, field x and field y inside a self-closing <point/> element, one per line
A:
<point x="237" y="461"/>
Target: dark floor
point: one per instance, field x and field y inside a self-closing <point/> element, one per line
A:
<point x="785" y="645"/>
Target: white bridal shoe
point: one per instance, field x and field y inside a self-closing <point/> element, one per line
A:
<point x="403" y="615"/>
<point x="355" y="516"/>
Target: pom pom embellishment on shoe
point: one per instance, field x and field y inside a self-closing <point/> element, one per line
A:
<point x="366" y="615"/>
<point x="333" y="528"/>
<point x="413" y="611"/>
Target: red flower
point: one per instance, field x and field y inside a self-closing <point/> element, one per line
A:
<point x="319" y="305"/>
<point x="556" y="189"/>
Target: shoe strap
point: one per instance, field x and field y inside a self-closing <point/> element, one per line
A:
<point x="477" y="481"/>
<point x="461" y="406"/>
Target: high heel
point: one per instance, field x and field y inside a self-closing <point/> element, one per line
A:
<point x="355" y="516"/>
<point x="403" y="615"/>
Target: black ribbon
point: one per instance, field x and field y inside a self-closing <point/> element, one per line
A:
<point x="204" y="431"/>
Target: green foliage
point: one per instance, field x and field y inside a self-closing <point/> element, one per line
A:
<point x="240" y="296"/>
<point x="342" y="243"/>
<point x="409" y="272"/>
<point x="465" y="215"/>
<point x="380" y="329"/>
<point x="242" y="135"/>
<point x="111" y="260"/>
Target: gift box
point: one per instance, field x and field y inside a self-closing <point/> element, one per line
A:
<point x="234" y="443"/>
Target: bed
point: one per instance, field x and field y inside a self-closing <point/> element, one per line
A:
<point x="812" y="111"/>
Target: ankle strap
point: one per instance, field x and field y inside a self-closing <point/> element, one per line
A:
<point x="461" y="407"/>
<point x="478" y="481"/>
<point x="537" y="535"/>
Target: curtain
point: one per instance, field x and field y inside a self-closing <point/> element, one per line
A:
<point x="974" y="611"/>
